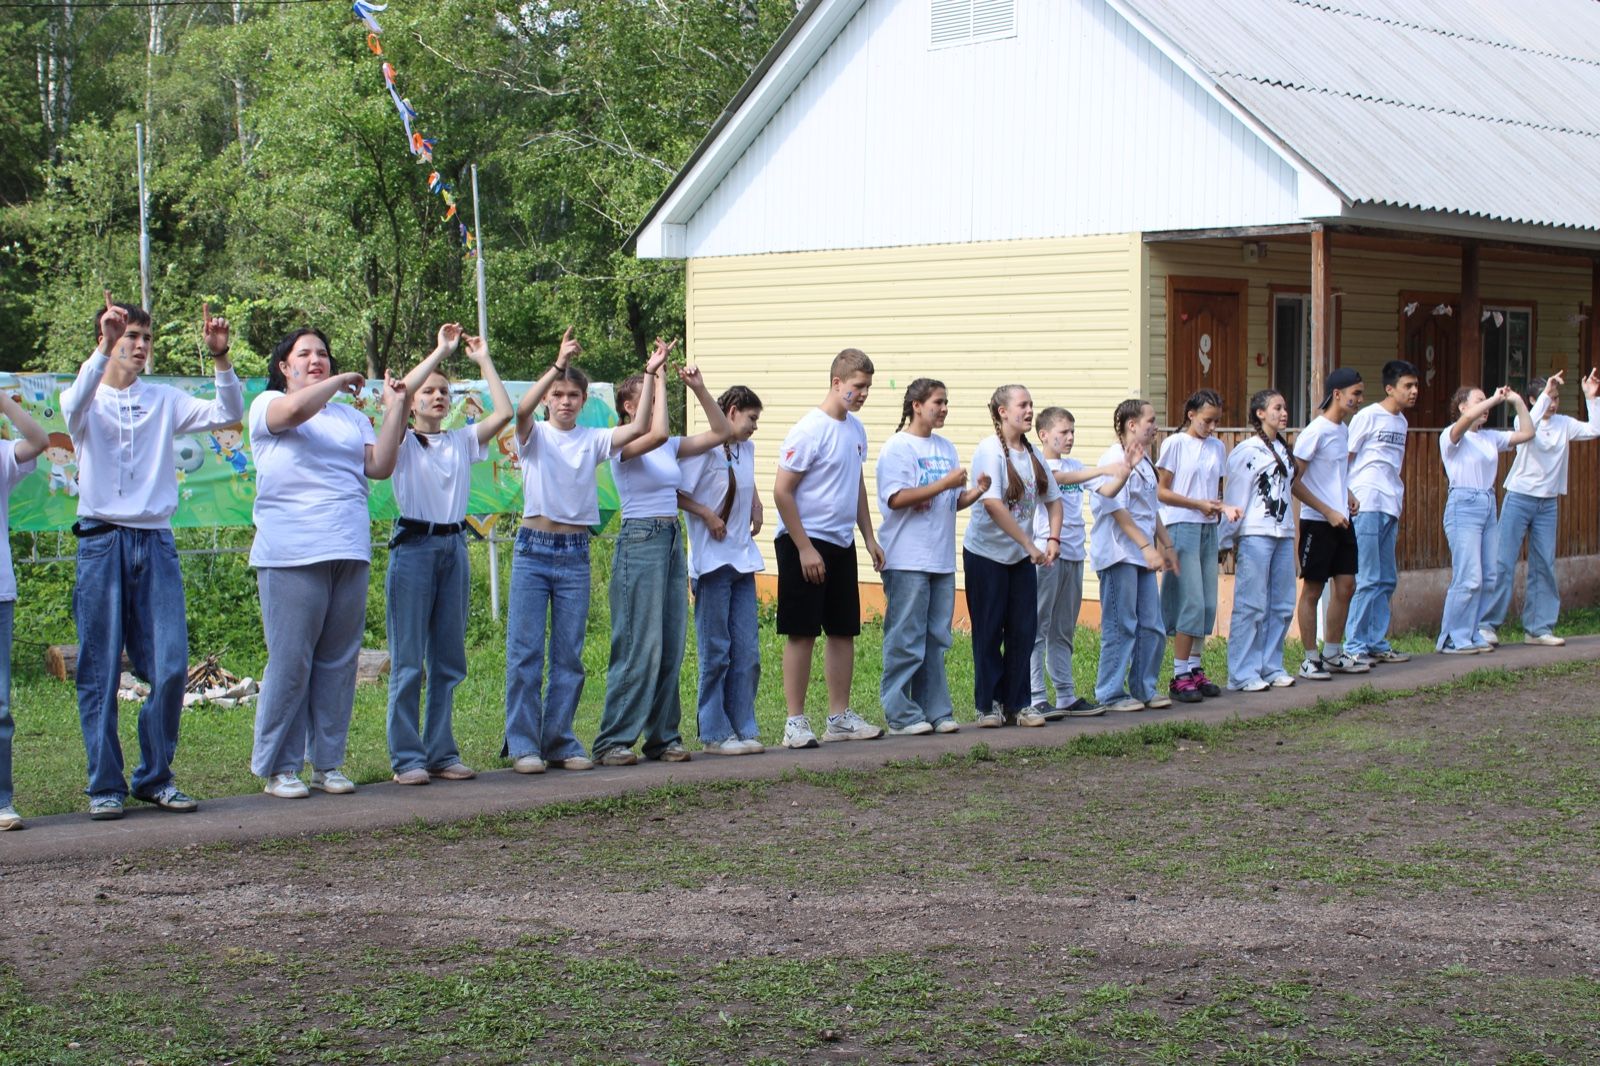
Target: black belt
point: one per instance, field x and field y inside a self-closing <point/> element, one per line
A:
<point x="430" y="529"/>
<point x="83" y="532"/>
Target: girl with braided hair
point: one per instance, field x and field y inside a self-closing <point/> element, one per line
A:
<point x="718" y="493"/>
<point x="1128" y="548"/>
<point x="1260" y="479"/>
<point x="999" y="556"/>
<point x="921" y="486"/>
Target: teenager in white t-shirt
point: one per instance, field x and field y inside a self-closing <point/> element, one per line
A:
<point x="426" y="588"/>
<point x="821" y="497"/>
<point x="129" y="588"/>
<point x="1260" y="477"/>
<point x="1061" y="583"/>
<point x="1377" y="451"/>
<point x="550" y="567"/>
<point x="1190" y="471"/>
<point x="18" y="459"/>
<point x="921" y="486"/>
<point x="717" y="492"/>
<point x="1471" y="457"/>
<point x="649" y="579"/>
<point x="1327" y="541"/>
<point x="312" y="551"/>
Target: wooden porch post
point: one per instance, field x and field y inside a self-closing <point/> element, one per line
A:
<point x="1322" y="353"/>
<point x="1469" y="330"/>
<point x="1594" y="313"/>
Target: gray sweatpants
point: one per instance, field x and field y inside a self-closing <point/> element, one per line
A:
<point x="313" y="617"/>
<point x="1060" y="597"/>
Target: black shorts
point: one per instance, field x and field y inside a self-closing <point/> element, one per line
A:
<point x="1326" y="551"/>
<point x="806" y="609"/>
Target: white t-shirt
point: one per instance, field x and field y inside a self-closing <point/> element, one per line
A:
<point x="1109" y="545"/>
<point x="1260" y="477"/>
<point x="1540" y="468"/>
<point x="829" y="452"/>
<point x="311" y="487"/>
<point x="123" y="441"/>
<point x="923" y="537"/>
<point x="11" y="472"/>
<point x="1323" y="446"/>
<point x="1197" y="465"/>
<point x="648" y="484"/>
<point x="558" y="473"/>
<point x="1072" y="532"/>
<point x="705" y="479"/>
<point x="432" y="483"/>
<point x="1378" y="442"/>
<point x="984" y="537"/>
<point x="1473" y="461"/>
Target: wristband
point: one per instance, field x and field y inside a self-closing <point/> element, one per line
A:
<point x="1057" y="540"/>
<point x="1146" y="546"/>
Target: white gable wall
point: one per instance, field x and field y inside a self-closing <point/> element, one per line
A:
<point x="1078" y="125"/>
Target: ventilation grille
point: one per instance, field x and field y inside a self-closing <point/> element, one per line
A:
<point x="956" y="22"/>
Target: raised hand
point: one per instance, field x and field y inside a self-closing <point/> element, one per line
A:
<point x="352" y="383"/>
<point x="477" y="350"/>
<point x="214" y="331"/>
<point x="449" y="337"/>
<point x="570" y="349"/>
<point x="690" y="375"/>
<point x="658" y="356"/>
<point x="1553" y="383"/>
<point x="113" y="324"/>
<point x="1591" y="384"/>
<point x="1502" y="394"/>
<point x="394" y="390"/>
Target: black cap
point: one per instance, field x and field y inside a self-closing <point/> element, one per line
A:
<point x="1342" y="378"/>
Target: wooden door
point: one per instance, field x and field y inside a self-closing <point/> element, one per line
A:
<point x="1206" y="344"/>
<point x="1430" y="341"/>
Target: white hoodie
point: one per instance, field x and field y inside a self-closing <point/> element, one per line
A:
<point x="1259" y="486"/>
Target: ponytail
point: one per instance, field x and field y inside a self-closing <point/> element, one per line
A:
<point x="735" y="398"/>
<point x="916" y="392"/>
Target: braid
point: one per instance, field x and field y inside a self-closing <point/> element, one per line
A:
<point x="1258" y="403"/>
<point x="919" y="391"/>
<point x="1041" y="479"/>
<point x="725" y="508"/>
<point x="1014" y="485"/>
<point x="905" y="413"/>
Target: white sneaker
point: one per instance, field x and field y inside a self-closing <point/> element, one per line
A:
<point x="1126" y="703"/>
<point x="528" y="764"/>
<point x="850" y="726"/>
<point x="730" y="746"/>
<point x="915" y="729"/>
<point x="1313" y="669"/>
<point x="1545" y="640"/>
<point x="1282" y="681"/>
<point x="752" y="746"/>
<point x="287" y="786"/>
<point x="9" y="819"/>
<point x="797" y="733"/>
<point x="947" y="725"/>
<point x="992" y="720"/>
<point x="332" y="782"/>
<point x="1030" y="717"/>
<point x="1488" y="634"/>
<point x="1257" y="685"/>
<point x="1344" y="663"/>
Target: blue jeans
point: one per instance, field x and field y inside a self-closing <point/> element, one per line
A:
<point x="8" y="609"/>
<point x="916" y="635"/>
<point x="1263" y="604"/>
<point x="1003" y="603"/>
<point x="649" y="623"/>
<point x="426" y="593"/>
<point x="727" y="636"/>
<point x="1533" y="517"/>
<point x="1189" y="597"/>
<point x="1376" y="577"/>
<point x="549" y="576"/>
<point x="1132" y="638"/>
<point x="129" y="594"/>
<point x="1469" y="527"/>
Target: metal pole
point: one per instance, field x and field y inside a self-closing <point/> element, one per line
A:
<point x="483" y="288"/>
<point x="144" y="230"/>
<point x="494" y="574"/>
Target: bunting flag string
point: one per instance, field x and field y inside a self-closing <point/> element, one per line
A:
<point x="420" y="146"/>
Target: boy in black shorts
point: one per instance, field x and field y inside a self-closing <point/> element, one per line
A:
<point x="821" y="497"/>
<point x="1327" y="540"/>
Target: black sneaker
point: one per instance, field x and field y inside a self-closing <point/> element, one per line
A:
<point x="1185" y="690"/>
<point x="170" y="798"/>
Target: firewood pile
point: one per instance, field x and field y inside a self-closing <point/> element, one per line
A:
<point x="207" y="682"/>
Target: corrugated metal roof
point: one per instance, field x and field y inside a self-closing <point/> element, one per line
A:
<point x="1476" y="107"/>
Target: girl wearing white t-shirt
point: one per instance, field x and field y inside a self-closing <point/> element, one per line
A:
<point x="1190" y="492"/>
<point x="649" y="580"/>
<point x="1471" y="457"/>
<point x="718" y="493"/>
<point x="1260" y="487"/>
<point x="426" y="589"/>
<point x="550" y="567"/>
<point x="999" y="556"/>
<point x="921" y="486"/>
<point x="312" y="551"/>
<point x="1128" y="547"/>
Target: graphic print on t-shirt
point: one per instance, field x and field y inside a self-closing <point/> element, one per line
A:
<point x="930" y="469"/>
<point x="1270" y="486"/>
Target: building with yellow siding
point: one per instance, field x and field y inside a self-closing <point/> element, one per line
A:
<point x="1108" y="198"/>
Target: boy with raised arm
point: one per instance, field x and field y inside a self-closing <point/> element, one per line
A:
<point x="129" y="591"/>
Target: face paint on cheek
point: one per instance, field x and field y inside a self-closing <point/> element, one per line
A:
<point x="849" y="395"/>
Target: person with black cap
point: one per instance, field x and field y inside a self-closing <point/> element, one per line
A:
<point x="1327" y="540"/>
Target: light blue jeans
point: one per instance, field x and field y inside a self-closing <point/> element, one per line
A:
<point x="649" y="596"/>
<point x="1376" y="577"/>
<point x="1263" y="604"/>
<point x="1533" y="517"/>
<point x="1132" y="638"/>
<point x="549" y="581"/>
<point x="1189" y="597"/>
<point x="129" y="594"/>
<point x="916" y="635"/>
<point x="426" y="596"/>
<point x="1469" y="527"/>
<point x="8" y="609"/>
<point x="728" y="640"/>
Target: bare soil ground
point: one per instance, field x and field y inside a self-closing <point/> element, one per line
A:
<point x="1402" y="881"/>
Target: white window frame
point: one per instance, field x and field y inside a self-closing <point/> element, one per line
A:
<point x="1504" y="415"/>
